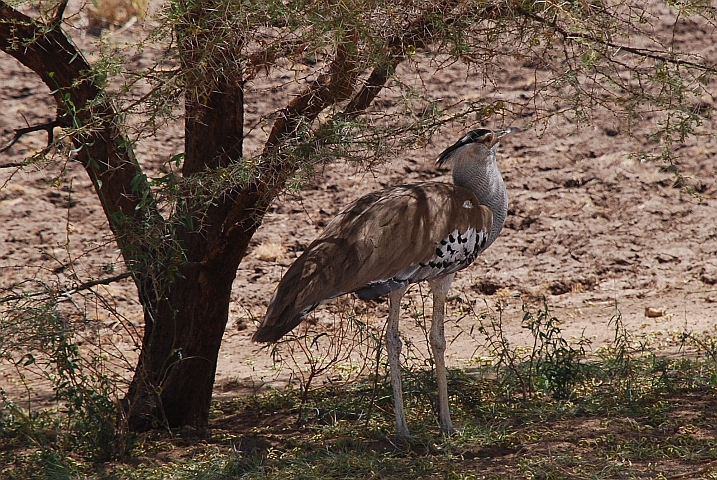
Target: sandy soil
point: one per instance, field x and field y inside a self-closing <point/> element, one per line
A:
<point x="593" y="227"/>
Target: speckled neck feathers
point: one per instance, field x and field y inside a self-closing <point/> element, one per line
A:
<point x="476" y="169"/>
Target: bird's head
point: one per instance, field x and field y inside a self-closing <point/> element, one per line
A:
<point x="482" y="136"/>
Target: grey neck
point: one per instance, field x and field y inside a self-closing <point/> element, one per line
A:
<point x="478" y="172"/>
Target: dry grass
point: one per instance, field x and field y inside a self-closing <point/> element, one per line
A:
<point x="269" y="252"/>
<point x="633" y="414"/>
<point x="112" y="14"/>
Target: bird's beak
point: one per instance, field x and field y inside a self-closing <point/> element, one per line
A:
<point x="501" y="134"/>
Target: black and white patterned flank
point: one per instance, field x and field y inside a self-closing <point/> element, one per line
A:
<point x="456" y="251"/>
<point x="453" y="253"/>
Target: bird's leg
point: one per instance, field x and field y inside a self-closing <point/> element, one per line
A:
<point x="393" y="345"/>
<point x="440" y="287"/>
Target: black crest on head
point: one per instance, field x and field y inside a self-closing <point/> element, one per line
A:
<point x="480" y="135"/>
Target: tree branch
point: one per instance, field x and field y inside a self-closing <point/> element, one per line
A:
<point x="339" y="83"/>
<point x="97" y="136"/>
<point x="99" y="141"/>
<point x="19" y="132"/>
<point x="12" y="165"/>
<point x="372" y="87"/>
<point x="69" y="291"/>
<point x="59" y="12"/>
<point x="641" y="52"/>
<point x="266" y="58"/>
<point x="249" y="205"/>
<point x="417" y="35"/>
<point x="327" y="90"/>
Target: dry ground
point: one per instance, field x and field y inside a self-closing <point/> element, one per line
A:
<point x="594" y="227"/>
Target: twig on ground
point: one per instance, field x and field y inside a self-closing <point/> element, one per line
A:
<point x="68" y="292"/>
<point x="19" y="132"/>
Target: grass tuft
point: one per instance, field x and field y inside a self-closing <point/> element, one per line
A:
<point x="549" y="411"/>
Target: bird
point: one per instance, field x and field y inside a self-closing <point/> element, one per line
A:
<point x="392" y="238"/>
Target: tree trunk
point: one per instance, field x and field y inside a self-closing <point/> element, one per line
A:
<point x="184" y="283"/>
<point x="172" y="385"/>
<point x="173" y="381"/>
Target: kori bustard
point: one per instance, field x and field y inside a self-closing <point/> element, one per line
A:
<point x="389" y="239"/>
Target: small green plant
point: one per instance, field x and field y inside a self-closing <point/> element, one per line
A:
<point x="40" y="340"/>
<point x="556" y="365"/>
<point x="551" y="365"/>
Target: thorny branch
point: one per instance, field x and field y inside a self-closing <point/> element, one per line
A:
<point x="20" y="132"/>
<point x="327" y="90"/>
<point x="642" y="52"/>
<point x="59" y="13"/>
<point x="70" y="291"/>
<point x="266" y="59"/>
<point x="417" y="35"/>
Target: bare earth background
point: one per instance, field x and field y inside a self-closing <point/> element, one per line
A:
<point x="593" y="226"/>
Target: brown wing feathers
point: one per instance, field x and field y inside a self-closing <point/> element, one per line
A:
<point x="374" y="239"/>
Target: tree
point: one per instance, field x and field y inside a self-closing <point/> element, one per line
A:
<point x="183" y="234"/>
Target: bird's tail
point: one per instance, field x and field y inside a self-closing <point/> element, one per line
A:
<point x="272" y="334"/>
<point x="301" y="290"/>
<point x="281" y="317"/>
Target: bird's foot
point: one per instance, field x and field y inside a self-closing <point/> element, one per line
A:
<point x="448" y="430"/>
<point x="404" y="438"/>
